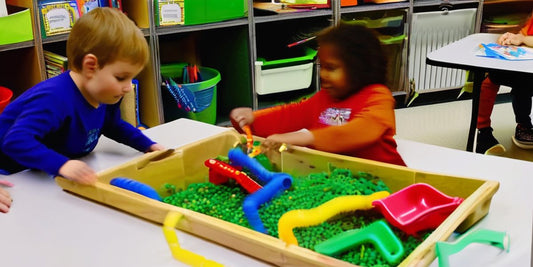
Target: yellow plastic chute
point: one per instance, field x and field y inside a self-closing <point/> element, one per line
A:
<point x="315" y="216"/>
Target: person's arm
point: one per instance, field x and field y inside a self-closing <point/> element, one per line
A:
<point x="285" y="118"/>
<point x="123" y="132"/>
<point x="528" y="40"/>
<point x="515" y="39"/>
<point x="41" y="115"/>
<point x="523" y="37"/>
<point x="299" y="138"/>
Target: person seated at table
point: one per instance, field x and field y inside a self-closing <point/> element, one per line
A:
<point x="5" y="200"/>
<point x="522" y="91"/>
<point x="51" y="125"/>
<point x="352" y="114"/>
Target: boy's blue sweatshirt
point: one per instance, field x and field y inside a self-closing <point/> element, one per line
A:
<point x="52" y="122"/>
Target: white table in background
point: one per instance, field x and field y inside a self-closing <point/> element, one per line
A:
<point x="49" y="227"/>
<point x="462" y="55"/>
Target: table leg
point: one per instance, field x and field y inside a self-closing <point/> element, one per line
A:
<point x="476" y="90"/>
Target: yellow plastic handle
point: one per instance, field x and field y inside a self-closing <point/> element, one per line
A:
<point x="185" y="256"/>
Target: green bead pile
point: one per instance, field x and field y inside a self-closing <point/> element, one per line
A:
<point x="225" y="202"/>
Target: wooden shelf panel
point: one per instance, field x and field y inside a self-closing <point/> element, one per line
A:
<point x="15" y="46"/>
<point x="163" y="30"/>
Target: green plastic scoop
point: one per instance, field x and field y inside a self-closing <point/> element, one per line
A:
<point x="378" y="233"/>
<point x="485" y="236"/>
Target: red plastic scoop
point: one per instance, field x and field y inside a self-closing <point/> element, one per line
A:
<point x="417" y="207"/>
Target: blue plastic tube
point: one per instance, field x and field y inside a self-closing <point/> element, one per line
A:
<point x="276" y="182"/>
<point x="135" y="186"/>
<point x="253" y="201"/>
<point x="238" y="158"/>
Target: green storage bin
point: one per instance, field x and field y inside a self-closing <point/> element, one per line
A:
<point x="202" y="91"/>
<point x="16" y="28"/>
<point x="208" y="11"/>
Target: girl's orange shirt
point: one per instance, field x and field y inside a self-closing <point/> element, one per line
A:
<point x="528" y="28"/>
<point x="363" y="125"/>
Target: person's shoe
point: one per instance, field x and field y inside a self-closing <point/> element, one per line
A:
<point x="523" y="136"/>
<point x="487" y="144"/>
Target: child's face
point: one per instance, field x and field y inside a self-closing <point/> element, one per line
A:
<point x="333" y="74"/>
<point x="110" y="83"/>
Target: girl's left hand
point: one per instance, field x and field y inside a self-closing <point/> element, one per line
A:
<point x="299" y="138"/>
<point x="511" y="39"/>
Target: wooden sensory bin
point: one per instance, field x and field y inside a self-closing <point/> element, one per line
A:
<point x="185" y="165"/>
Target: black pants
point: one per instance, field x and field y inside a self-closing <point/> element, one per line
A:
<point x="521" y="92"/>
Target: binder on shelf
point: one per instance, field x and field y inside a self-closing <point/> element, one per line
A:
<point x="169" y="12"/>
<point x="55" y="63"/>
<point x="115" y="4"/>
<point x="58" y="16"/>
<point x="85" y="6"/>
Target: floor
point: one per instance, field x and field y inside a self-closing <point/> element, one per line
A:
<point x="446" y="124"/>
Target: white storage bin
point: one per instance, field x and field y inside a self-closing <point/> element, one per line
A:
<point x="277" y="75"/>
<point x="282" y="79"/>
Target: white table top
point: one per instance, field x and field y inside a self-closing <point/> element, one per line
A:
<point x="49" y="227"/>
<point x="462" y="54"/>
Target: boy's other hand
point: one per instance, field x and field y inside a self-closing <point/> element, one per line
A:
<point x="156" y="147"/>
<point x="5" y="200"/>
<point x="78" y="171"/>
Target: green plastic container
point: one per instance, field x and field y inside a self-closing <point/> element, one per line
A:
<point x="308" y="56"/>
<point x="207" y="11"/>
<point x="16" y="28"/>
<point x="210" y="77"/>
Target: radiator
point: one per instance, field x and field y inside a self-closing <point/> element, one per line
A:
<point x="430" y="31"/>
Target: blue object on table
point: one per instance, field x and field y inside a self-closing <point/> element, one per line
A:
<point x="135" y="186"/>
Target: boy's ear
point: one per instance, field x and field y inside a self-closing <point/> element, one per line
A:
<point x="89" y="64"/>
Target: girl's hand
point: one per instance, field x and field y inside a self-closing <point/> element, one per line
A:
<point x="5" y="200"/>
<point x="242" y="116"/>
<point x="511" y="39"/>
<point x="299" y="138"/>
<point x="78" y="171"/>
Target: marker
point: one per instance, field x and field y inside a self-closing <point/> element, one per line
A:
<point x="301" y="41"/>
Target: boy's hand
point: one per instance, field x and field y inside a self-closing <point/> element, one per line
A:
<point x="5" y="200"/>
<point x="242" y="116"/>
<point x="156" y="147"/>
<point x="78" y="171"/>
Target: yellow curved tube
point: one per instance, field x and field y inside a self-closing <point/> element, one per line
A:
<point x="315" y="216"/>
<point x="185" y="256"/>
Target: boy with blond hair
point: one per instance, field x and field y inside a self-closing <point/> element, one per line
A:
<point x="62" y="118"/>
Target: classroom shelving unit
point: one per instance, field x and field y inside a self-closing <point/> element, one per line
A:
<point x="501" y="16"/>
<point x="232" y="47"/>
